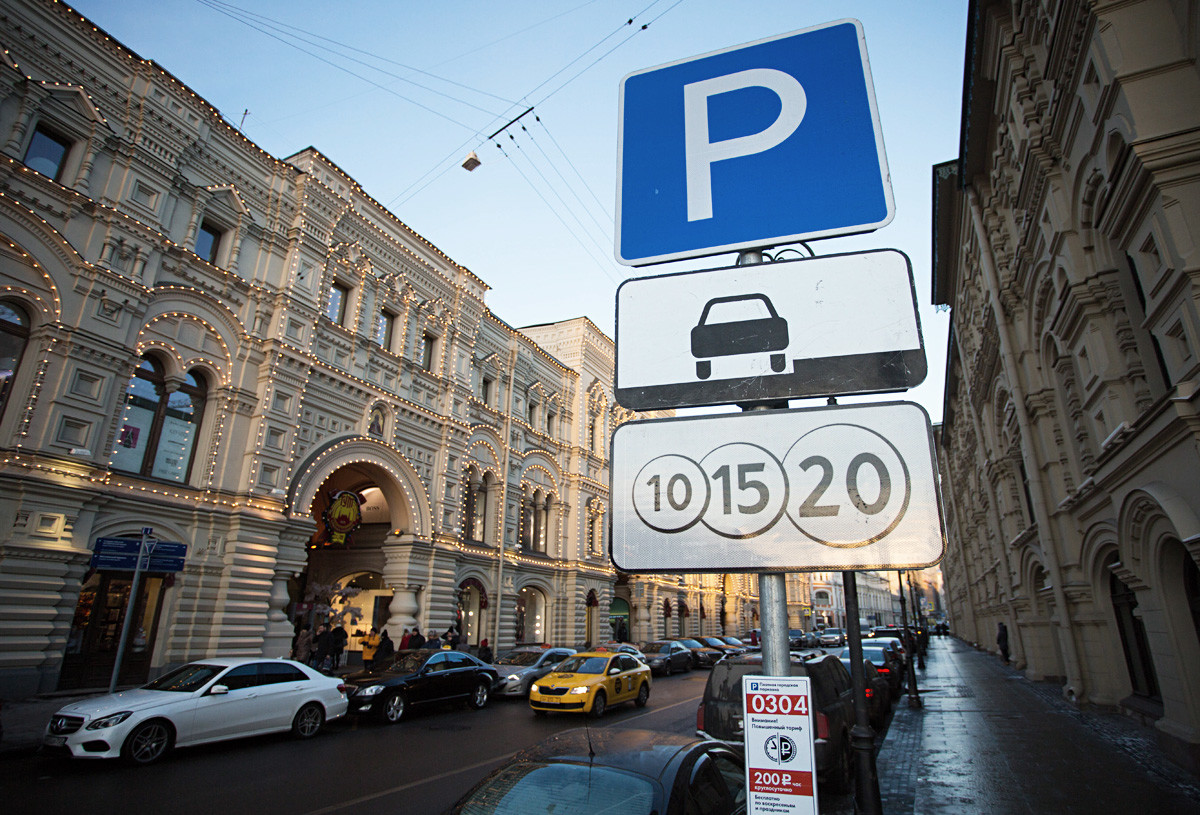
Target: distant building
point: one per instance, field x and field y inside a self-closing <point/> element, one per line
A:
<point x="1067" y="243"/>
<point x="255" y="358"/>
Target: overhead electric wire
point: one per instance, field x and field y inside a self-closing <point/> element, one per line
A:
<point x="279" y="25"/>
<point x="578" y="174"/>
<point x="566" y="206"/>
<point x="538" y="193"/>
<point x="341" y="68"/>
<point x="586" y="209"/>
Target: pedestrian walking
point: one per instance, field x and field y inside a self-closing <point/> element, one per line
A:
<point x="1002" y="641"/>
<point x="370" y="644"/>
<point x="338" y="645"/>
<point x="303" y="648"/>
<point x="485" y="651"/>
<point x="405" y="639"/>
<point x="387" y="649"/>
<point x="417" y="640"/>
<point x="322" y="642"/>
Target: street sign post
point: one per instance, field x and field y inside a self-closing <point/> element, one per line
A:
<point x="836" y="324"/>
<point x="816" y="489"/>
<point x="771" y="142"/>
<point x="781" y="767"/>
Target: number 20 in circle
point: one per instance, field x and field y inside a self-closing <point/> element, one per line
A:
<point x="850" y="485"/>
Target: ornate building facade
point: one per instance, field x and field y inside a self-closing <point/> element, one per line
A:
<point x="1067" y="242"/>
<point x="199" y="338"/>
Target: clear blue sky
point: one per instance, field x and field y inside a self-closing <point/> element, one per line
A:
<point x="536" y="225"/>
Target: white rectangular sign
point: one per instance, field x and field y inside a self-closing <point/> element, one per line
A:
<point x="824" y="326"/>
<point x="781" y="764"/>
<point x="815" y="489"/>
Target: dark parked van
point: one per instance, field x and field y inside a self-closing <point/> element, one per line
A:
<point x="720" y="713"/>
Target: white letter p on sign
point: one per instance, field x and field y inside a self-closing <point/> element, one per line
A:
<point x="700" y="153"/>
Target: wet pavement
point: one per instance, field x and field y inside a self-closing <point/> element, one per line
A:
<point x="987" y="740"/>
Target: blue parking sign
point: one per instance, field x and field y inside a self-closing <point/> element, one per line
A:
<point x="758" y="145"/>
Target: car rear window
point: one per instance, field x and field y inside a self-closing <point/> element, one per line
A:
<point x="564" y="789"/>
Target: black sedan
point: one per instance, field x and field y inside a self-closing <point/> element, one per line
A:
<point x="634" y="772"/>
<point x="667" y="656"/>
<point x="422" y="677"/>
<point x="703" y="656"/>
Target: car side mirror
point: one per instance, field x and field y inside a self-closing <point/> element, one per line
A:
<point x="218" y="690"/>
<point x="613" y="671"/>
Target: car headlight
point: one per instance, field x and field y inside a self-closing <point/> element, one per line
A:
<point x="577" y="691"/>
<point x="657" y="661"/>
<point x="370" y="690"/>
<point x="513" y="677"/>
<point x="109" y="721"/>
<point x="534" y="689"/>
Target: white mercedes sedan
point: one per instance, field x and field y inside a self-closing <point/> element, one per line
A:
<point x="206" y="701"/>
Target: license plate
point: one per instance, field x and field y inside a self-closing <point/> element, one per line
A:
<point x="55" y="741"/>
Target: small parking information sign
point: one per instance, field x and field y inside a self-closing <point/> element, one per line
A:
<point x="780" y="762"/>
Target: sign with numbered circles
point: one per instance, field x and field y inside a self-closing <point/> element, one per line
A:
<point x="780" y="760"/>
<point x="816" y="489"/>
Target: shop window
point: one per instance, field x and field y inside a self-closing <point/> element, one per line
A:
<point x="339" y="295"/>
<point x="157" y="436"/>
<point x="47" y="153"/>
<point x="208" y="241"/>
<point x="14" y="335"/>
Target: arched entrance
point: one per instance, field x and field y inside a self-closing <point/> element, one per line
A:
<point x="531" y="616"/>
<point x="618" y="619"/>
<point x="472" y="603"/>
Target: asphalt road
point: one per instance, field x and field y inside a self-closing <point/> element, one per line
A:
<point x="355" y="767"/>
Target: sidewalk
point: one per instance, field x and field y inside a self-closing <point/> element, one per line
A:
<point x="987" y="740"/>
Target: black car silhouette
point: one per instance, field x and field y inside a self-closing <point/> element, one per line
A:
<point x="762" y="335"/>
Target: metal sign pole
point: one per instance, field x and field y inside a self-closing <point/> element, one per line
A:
<point x="129" y="608"/>
<point x="862" y="738"/>
<point x="914" y="696"/>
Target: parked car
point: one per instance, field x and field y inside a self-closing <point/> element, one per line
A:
<point x="621" y="648"/>
<point x="885" y="663"/>
<point x="721" y="645"/>
<point x="891" y="642"/>
<point x="667" y="656"/>
<point x="420" y="677"/>
<point x="878" y="692"/>
<point x="520" y="667"/>
<point x="590" y="682"/>
<point x="832" y="638"/>
<point x="719" y="715"/>
<point x="201" y="702"/>
<point x="703" y="656"/>
<point x="613" y="770"/>
<point x="799" y="638"/>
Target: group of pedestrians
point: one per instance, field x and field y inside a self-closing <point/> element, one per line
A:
<point x="323" y="649"/>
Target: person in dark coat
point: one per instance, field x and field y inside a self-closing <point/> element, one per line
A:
<point x="338" y="646"/>
<point x="485" y="651"/>
<point x="416" y="640"/>
<point x="322" y="645"/>
<point x="386" y="650"/>
<point x="1002" y="641"/>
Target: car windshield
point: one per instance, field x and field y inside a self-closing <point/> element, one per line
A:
<point x="518" y="658"/>
<point x="582" y="665"/>
<point x="732" y="640"/>
<point x="691" y="644"/>
<point x="188" y="679"/>
<point x="656" y="648"/>
<point x="713" y="641"/>
<point x="564" y="789"/>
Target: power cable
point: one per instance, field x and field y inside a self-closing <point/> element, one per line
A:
<point x="579" y="175"/>
<point x="568" y="185"/>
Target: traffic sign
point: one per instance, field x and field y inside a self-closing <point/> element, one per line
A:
<point x="757" y="145"/>
<point x="832" y="325"/>
<point x="781" y="765"/>
<point x="815" y="489"/>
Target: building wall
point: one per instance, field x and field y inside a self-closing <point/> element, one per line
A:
<point x="332" y="349"/>
<point x="1065" y="244"/>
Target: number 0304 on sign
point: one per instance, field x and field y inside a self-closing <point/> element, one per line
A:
<point x="849" y="487"/>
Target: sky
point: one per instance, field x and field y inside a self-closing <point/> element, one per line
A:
<point x="397" y="93"/>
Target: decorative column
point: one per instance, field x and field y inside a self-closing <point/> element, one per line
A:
<point x="402" y="611"/>
<point x="277" y="639"/>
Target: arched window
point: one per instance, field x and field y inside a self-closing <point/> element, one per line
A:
<point x="157" y="437"/>
<point x="531" y="616"/>
<point x="14" y="335"/>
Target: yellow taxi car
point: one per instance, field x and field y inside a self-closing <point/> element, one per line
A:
<point x="590" y="682"/>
